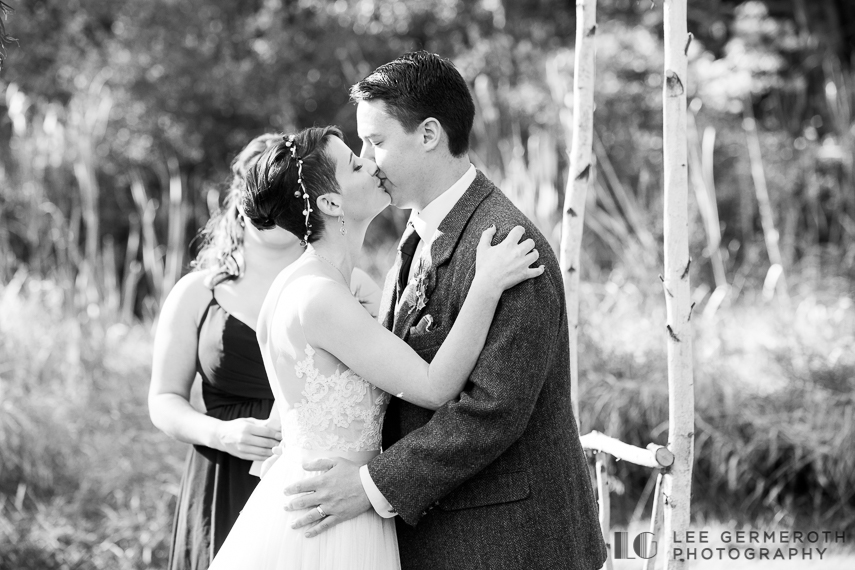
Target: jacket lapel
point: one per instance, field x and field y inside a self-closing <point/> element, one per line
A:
<point x="420" y="288"/>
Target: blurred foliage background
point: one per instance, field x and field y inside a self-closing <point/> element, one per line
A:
<point x="118" y="120"/>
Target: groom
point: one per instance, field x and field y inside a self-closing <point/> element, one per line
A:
<point x="496" y="478"/>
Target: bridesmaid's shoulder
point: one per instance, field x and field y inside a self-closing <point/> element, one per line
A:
<point x="194" y="283"/>
<point x="190" y="292"/>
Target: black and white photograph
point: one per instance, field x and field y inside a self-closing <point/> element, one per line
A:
<point x="427" y="285"/>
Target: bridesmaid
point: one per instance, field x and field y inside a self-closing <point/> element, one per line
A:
<point x="207" y="326"/>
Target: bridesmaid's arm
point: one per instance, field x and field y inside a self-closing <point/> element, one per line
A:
<point x="173" y="371"/>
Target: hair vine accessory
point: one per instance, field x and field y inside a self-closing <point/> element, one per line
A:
<point x="291" y="143"/>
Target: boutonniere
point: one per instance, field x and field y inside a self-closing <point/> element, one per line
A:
<point x="420" y="280"/>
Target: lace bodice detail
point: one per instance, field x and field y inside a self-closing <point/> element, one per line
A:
<point x="339" y="412"/>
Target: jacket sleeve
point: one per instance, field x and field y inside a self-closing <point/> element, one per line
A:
<point x="491" y="413"/>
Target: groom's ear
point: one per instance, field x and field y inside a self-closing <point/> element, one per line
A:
<point x="330" y="204"/>
<point x="431" y="133"/>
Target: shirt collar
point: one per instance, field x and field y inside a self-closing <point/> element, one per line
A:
<point x="427" y="221"/>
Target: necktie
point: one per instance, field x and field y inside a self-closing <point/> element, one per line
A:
<point x="409" y="241"/>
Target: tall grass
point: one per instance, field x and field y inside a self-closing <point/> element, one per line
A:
<point x="773" y="411"/>
<point x="54" y="222"/>
<point x="85" y="481"/>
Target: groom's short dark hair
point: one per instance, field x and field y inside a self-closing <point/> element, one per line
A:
<point x="419" y="85"/>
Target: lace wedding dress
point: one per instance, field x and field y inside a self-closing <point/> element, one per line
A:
<point x="323" y="415"/>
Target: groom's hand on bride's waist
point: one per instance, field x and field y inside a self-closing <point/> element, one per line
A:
<point x="337" y="490"/>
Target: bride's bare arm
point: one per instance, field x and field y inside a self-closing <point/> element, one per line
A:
<point x="334" y="321"/>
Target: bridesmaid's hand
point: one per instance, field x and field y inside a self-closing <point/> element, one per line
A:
<point x="247" y="438"/>
<point x="500" y="267"/>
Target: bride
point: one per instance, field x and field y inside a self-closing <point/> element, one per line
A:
<point x="331" y="365"/>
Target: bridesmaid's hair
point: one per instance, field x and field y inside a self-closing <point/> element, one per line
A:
<point x="222" y="237"/>
<point x="274" y="195"/>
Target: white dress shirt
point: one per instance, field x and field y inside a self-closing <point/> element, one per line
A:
<point x="426" y="223"/>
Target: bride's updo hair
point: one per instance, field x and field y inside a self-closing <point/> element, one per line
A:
<point x="274" y="195"/>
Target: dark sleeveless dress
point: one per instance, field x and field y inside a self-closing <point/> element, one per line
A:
<point x="216" y="485"/>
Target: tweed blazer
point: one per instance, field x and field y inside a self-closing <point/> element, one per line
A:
<point x="496" y="478"/>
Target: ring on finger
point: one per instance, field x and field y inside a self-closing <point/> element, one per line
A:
<point x="321" y="512"/>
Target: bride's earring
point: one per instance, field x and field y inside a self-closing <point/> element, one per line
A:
<point x="342" y="230"/>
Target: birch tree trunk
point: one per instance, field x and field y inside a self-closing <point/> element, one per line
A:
<point x="602" y="463"/>
<point x="677" y="483"/>
<point x="579" y="179"/>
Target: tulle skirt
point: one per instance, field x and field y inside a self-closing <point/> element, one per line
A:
<point x="262" y="537"/>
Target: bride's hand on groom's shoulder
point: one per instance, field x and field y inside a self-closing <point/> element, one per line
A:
<point x="337" y="490"/>
<point x="499" y="267"/>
